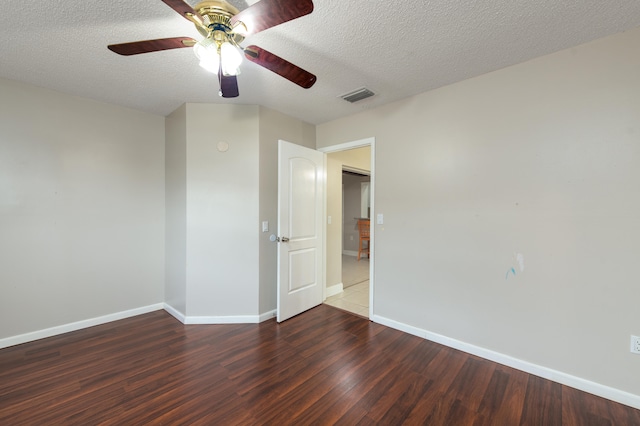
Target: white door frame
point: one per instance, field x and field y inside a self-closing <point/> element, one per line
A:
<point x="371" y="142"/>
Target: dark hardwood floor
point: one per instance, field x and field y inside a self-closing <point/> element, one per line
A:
<point x="325" y="366"/>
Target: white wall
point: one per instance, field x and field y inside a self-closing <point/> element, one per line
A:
<point x="176" y="210"/>
<point x="81" y="209"/>
<point x="539" y="159"/>
<point x="334" y="229"/>
<point x="355" y="158"/>
<point x="222" y="210"/>
<point x="220" y="266"/>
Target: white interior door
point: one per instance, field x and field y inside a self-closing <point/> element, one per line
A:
<point x="301" y="175"/>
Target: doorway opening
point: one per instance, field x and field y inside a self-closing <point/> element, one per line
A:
<point x="350" y="200"/>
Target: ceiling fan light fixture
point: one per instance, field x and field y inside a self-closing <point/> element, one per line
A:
<point x="207" y="51"/>
<point x="231" y="58"/>
<point x="211" y="65"/>
<point x="240" y="28"/>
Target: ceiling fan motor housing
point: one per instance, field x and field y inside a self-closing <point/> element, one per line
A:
<point x="217" y="16"/>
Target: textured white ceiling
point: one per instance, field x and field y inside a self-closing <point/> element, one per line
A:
<point x="395" y="48"/>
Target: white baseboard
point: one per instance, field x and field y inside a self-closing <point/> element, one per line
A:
<point x="242" y="319"/>
<point x="350" y="253"/>
<point x="65" y="328"/>
<point x="238" y="319"/>
<point x="598" y="389"/>
<point x="334" y="289"/>
<point x="175" y="313"/>
<point x="222" y="319"/>
<point x="267" y="315"/>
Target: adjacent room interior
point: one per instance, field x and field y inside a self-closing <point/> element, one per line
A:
<point x="348" y="256"/>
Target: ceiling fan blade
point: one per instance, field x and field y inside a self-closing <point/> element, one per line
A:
<point x="269" y="13"/>
<point x="228" y="85"/>
<point x="185" y="10"/>
<point x="146" y="46"/>
<point x="280" y="66"/>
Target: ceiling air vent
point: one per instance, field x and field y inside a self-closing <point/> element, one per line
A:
<point x="357" y="95"/>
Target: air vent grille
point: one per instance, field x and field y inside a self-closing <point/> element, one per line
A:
<point x="357" y="95"/>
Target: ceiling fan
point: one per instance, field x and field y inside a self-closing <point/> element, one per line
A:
<point x="224" y="27"/>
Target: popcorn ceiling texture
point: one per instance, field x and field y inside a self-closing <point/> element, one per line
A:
<point x="396" y="48"/>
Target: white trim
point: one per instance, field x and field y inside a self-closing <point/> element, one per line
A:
<point x="594" y="388"/>
<point x="223" y="319"/>
<point x="356" y="170"/>
<point x="175" y="313"/>
<point x="400" y="326"/>
<point x="323" y="267"/>
<point x="349" y="145"/>
<point x="267" y="315"/>
<point x="350" y="253"/>
<point x="372" y="229"/>
<point x="78" y="325"/>
<point x="334" y="289"/>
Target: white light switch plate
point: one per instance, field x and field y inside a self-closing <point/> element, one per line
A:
<point x="380" y="219"/>
<point x="265" y="226"/>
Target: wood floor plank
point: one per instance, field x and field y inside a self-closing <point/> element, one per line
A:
<point x="503" y="400"/>
<point x="339" y="381"/>
<point x="470" y="384"/>
<point x="293" y="403"/>
<point x="267" y="391"/>
<point x="349" y="385"/>
<point x="444" y="367"/>
<point x="364" y="400"/>
<point x="324" y="366"/>
<point x="583" y="408"/>
<point x="542" y="403"/>
<point x="402" y="397"/>
<point x="354" y="416"/>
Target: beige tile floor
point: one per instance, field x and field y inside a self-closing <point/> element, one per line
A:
<point x="353" y="299"/>
<point x="354" y="271"/>
<point x="355" y="278"/>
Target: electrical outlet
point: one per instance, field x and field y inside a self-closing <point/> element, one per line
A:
<point x="635" y="344"/>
